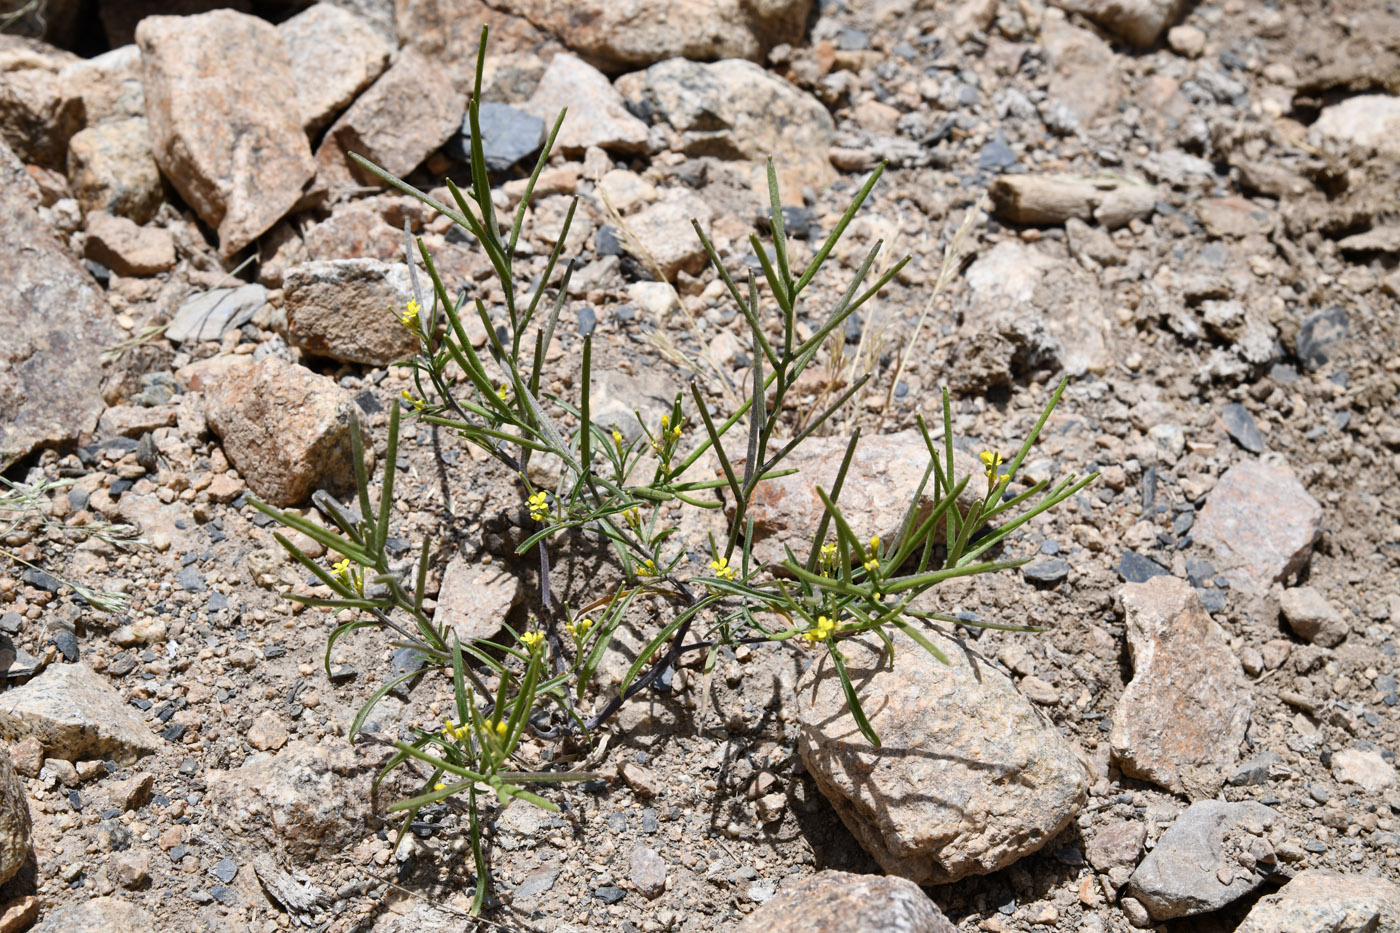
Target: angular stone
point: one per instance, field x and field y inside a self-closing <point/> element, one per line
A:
<point x="348" y="309"/>
<point x="663" y="231"/>
<point x="1056" y="199"/>
<point x="881" y="480"/>
<point x="111" y="168"/>
<point x="448" y="32"/>
<point x="1140" y="22"/>
<point x="76" y="716"/>
<point x="735" y="109"/>
<point x="36" y="119"/>
<point x="286" y="429"/>
<point x="1364" y="124"/>
<point x="56" y="324"/>
<point x="135" y="420"/>
<point x="1364" y="767"/>
<point x="597" y="114"/>
<point x="1312" y="617"/>
<point x="621" y="36"/>
<point x="334" y="56"/>
<point x="969" y="776"/>
<point x="840" y="902"/>
<point x="1086" y="78"/>
<point x="1115" y="848"/>
<point x="1188" y="705"/>
<point x="97" y="915"/>
<point x="126" y="248"/>
<point x="474" y="599"/>
<point x="211" y="315"/>
<point x="406" y="114"/>
<point x="225" y="130"/>
<point x="508" y="135"/>
<point x="1196" y="866"/>
<point x="19" y="914"/>
<point x="108" y="86"/>
<point x="14" y="821"/>
<point x="309" y="801"/>
<point x="1321" y="901"/>
<point x="267" y="733"/>
<point x="1239" y="423"/>
<point x="647" y="872"/>
<point x="1261" y="524"/>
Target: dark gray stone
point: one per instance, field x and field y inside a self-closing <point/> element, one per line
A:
<point x="508" y="136"/>
<point x="1134" y="568"/>
<point x="1240" y="425"/>
<point x="996" y="155"/>
<point x="211" y="315"/>
<point x="191" y="580"/>
<point x="609" y="894"/>
<point x="1045" y="571"/>
<point x="226" y="870"/>
<point x="1320" y="333"/>
<point x="1256" y="770"/>
<point x="537" y="882"/>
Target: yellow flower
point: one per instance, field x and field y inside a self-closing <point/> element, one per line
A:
<point x="821" y="631"/>
<point x="502" y="728"/>
<point x="647" y="568"/>
<point x="871" y="565"/>
<point x="633" y="517"/>
<point x="410" y="314"/>
<point x="617" y="438"/>
<point x="539" y="506"/>
<point x="532" y="640"/>
<point x="439" y="786"/>
<point x="503" y="392"/>
<point x="341" y="566"/>
<point x="578" y="629"/>
<point x="722" y="569"/>
<point x="875" y="543"/>
<point x="991" y="460"/>
<point x="416" y="404"/>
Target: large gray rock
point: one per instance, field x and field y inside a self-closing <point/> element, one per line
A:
<point x="1188" y="705"/>
<point x="970" y="776"/>
<point x="620" y="35"/>
<point x="1312" y="617"/>
<point x="286" y="429"/>
<point x="225" y="128"/>
<point x="76" y="716"/>
<point x="664" y="232"/>
<point x="111" y="168"/>
<point x="334" y="56"/>
<point x="1261" y="523"/>
<point x="14" y="820"/>
<point x="1366" y="124"/>
<point x="108" y="86"/>
<point x="1320" y="901"/>
<point x="98" y="915"/>
<point x="735" y="109"/>
<point x="1139" y="22"/>
<point x="55" y="326"/>
<point x="475" y="598"/>
<point x="36" y="118"/>
<point x="210" y="315"/>
<point x="348" y="309"/>
<point x="840" y="902"/>
<point x="597" y="114"/>
<point x="1204" y="860"/>
<point x="309" y="801"/>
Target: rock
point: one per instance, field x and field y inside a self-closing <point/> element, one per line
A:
<point x="1239" y="423"/>
<point x="1187" y="41"/>
<point x="1006" y="780"/>
<point x="447" y="32"/>
<point x="1363" y="124"/>
<point x="211" y="315"/>
<point x="664" y="232"/>
<point x="14" y="821"/>
<point x="1139" y="22"/>
<point x="647" y="872"/>
<point x="36" y="118"/>
<point x="19" y="914"/>
<point x="1364" y="767"/>
<point x="1086" y="80"/>
<point x="135" y="420"/>
<point x="1321" y="901"/>
<point x="225" y="130"/>
<point x="268" y="733"/>
<point x="286" y="429"/>
<point x="597" y="114"/>
<point x="401" y="120"/>
<point x="1115" y="848"/>
<point x="1055" y="199"/>
<point x="97" y="915"/>
<point x="50" y="372"/>
<point x="1261" y="524"/>
<point x="636" y="33"/>
<point x="1234" y="217"/>
<point x="1188" y="705"/>
<point x="508" y="135"/>
<point x="840" y="902"/>
<point x="348" y="309"/>
<point x="107" y="86"/>
<point x="626" y="191"/>
<point x="475" y="598"/>
<point x="128" y="249"/>
<point x="133" y="793"/>
<point x="76" y="716"/>
<point x="1196" y="866"/>
<point x="334" y="56"/>
<point x="1379" y="239"/>
<point x="882" y="478"/>
<point x="1046" y="571"/>
<point x="1319" y="336"/>
<point x="616" y="396"/>
<point x="131" y="870"/>
<point x="28" y="756"/>
<point x="1312" y="617"/>
<point x="736" y="110"/>
<point x="307" y="800"/>
<point x="111" y="168"/>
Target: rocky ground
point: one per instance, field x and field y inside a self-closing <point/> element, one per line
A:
<point x="1194" y="214"/>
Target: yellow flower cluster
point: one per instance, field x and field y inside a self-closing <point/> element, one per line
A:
<point x="342" y="569"/>
<point x="532" y="640"/>
<point x="451" y="733"/>
<point x="828" y="558"/>
<point x="722" y="569"/>
<point x="647" y="568"/>
<point x="872" y="563"/>
<point x="409" y="317"/>
<point x="539" y="506"/>
<point x="503" y="392"/>
<point x="417" y="404"/>
<point x="578" y="629"/>
<point x="821" y="631"/>
<point x="665" y="443"/>
<point x="993" y="461"/>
